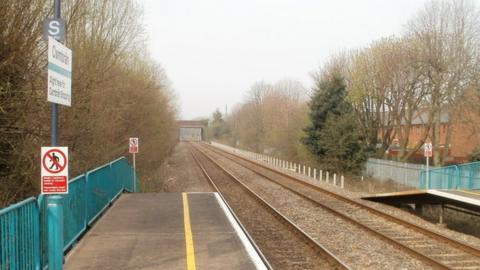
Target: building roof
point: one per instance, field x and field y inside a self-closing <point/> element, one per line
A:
<point x="422" y="118"/>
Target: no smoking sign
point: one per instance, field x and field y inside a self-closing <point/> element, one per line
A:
<point x="54" y="163"/>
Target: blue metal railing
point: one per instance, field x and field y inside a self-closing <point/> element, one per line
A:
<point x="23" y="226"/>
<point x="19" y="236"/>
<point x="464" y="176"/>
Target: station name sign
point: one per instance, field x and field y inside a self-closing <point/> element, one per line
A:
<point x="59" y="73"/>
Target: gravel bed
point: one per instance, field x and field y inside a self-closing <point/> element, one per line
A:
<point x="283" y="248"/>
<point x="396" y="212"/>
<point x="350" y="243"/>
<point x="178" y="173"/>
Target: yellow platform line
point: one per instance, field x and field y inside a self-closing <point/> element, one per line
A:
<point x="188" y="234"/>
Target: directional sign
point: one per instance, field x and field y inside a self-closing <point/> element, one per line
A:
<point x="54" y="28"/>
<point x="59" y="73"/>
<point x="428" y="150"/>
<point x="54" y="163"/>
<point x="133" y="145"/>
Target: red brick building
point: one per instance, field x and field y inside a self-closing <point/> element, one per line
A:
<point x="464" y="135"/>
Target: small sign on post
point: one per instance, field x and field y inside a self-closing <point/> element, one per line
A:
<point x="133" y="149"/>
<point x="54" y="163"/>
<point x="428" y="153"/>
<point x="54" y="28"/>
<point x="133" y="145"/>
<point x="428" y="150"/>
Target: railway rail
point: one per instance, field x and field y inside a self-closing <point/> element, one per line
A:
<point x="433" y="248"/>
<point x="284" y="244"/>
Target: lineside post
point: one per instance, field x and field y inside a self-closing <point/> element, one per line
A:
<point x="134" y="175"/>
<point x="55" y="232"/>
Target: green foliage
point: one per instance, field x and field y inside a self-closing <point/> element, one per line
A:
<point x="332" y="135"/>
<point x="342" y="143"/>
<point x="328" y="99"/>
<point x="218" y="126"/>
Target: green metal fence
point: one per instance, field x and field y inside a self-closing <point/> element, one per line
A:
<point x="464" y="176"/>
<point x="23" y="226"/>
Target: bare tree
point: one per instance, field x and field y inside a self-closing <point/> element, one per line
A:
<point x="446" y="35"/>
<point x="118" y="91"/>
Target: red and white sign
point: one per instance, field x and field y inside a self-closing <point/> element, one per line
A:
<point x="54" y="162"/>
<point x="133" y="145"/>
<point x="428" y="150"/>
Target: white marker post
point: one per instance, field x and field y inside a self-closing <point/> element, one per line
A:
<point x="428" y="152"/>
<point x="133" y="149"/>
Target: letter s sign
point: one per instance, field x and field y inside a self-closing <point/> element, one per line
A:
<point x="54" y="28"/>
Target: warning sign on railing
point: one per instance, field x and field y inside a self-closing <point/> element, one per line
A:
<point x="54" y="163"/>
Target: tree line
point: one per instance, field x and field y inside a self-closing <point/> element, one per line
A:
<point x="118" y="91"/>
<point x="365" y="100"/>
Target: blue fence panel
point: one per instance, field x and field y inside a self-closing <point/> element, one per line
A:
<point x="120" y="171"/>
<point x="440" y="178"/>
<point x="124" y="173"/>
<point x="23" y="226"/>
<point x="97" y="191"/>
<point x="42" y="205"/>
<point x="465" y="176"/>
<point x="469" y="175"/>
<point x="20" y="236"/>
<point x="74" y="214"/>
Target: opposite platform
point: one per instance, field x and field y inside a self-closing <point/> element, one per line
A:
<point x="165" y="231"/>
<point x="467" y="199"/>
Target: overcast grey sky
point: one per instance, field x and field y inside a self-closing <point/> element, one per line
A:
<point x="214" y="50"/>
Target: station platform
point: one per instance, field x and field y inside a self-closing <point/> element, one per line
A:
<point x="466" y="199"/>
<point x="166" y="231"/>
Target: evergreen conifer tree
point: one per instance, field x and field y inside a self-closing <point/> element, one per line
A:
<point x="332" y="134"/>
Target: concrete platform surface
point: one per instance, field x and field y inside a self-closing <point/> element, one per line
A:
<point x="467" y="196"/>
<point x="147" y="231"/>
<point x="467" y="199"/>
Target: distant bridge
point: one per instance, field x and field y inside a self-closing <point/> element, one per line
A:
<point x="191" y="130"/>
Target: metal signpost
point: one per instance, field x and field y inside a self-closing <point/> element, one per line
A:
<point x="55" y="159"/>
<point x="133" y="149"/>
<point x="428" y="152"/>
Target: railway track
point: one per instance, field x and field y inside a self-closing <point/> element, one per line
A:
<point x="435" y="249"/>
<point x="284" y="244"/>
